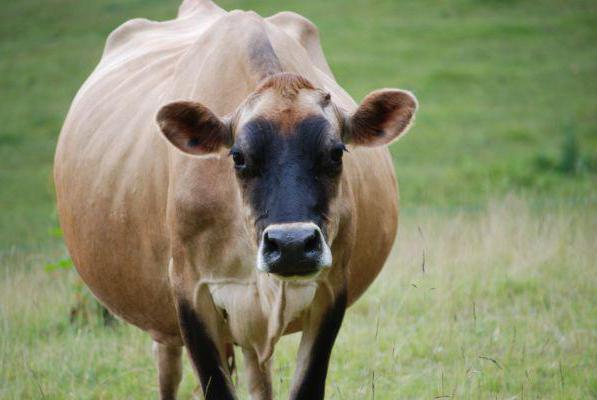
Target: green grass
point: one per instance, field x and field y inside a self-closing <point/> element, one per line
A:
<point x="508" y="105"/>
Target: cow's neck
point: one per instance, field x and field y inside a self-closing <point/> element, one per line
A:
<point x="259" y="308"/>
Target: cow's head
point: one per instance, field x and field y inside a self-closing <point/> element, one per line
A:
<point x="286" y="143"/>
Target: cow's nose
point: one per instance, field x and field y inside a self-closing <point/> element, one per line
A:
<point x="293" y="250"/>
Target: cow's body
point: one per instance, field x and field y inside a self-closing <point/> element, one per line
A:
<point x="131" y="205"/>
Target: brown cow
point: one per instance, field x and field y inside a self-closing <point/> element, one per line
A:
<point x="261" y="203"/>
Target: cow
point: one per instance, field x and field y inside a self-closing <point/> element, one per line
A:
<point x="216" y="187"/>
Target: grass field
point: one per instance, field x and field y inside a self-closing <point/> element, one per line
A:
<point x="498" y="181"/>
<point x="504" y="309"/>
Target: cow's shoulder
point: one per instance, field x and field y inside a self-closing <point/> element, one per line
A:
<point x="297" y="26"/>
<point x="194" y="17"/>
<point x="306" y="33"/>
<point x="127" y="32"/>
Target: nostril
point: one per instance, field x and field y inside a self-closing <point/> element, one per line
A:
<point x="269" y="245"/>
<point x="313" y="244"/>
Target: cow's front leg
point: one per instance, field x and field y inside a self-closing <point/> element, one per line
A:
<point x="169" y="363"/>
<point x="319" y="333"/>
<point x="204" y="353"/>
<point x="259" y="377"/>
<point x="200" y="333"/>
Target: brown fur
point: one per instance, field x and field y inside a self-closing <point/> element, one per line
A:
<point x="285" y="84"/>
<point x="382" y="114"/>
<point x="262" y="58"/>
<point x="146" y="224"/>
<point x="182" y="122"/>
<point x="286" y="99"/>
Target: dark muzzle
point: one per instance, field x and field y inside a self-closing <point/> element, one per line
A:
<point x="296" y="249"/>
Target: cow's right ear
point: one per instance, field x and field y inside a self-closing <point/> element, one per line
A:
<point x="193" y="128"/>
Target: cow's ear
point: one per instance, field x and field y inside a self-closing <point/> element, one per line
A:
<point x="383" y="116"/>
<point x="193" y="128"/>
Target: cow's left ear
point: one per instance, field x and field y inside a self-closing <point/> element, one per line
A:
<point x="383" y="116"/>
<point x="193" y="128"/>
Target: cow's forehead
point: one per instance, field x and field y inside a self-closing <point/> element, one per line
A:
<point x="287" y="112"/>
<point x="310" y="135"/>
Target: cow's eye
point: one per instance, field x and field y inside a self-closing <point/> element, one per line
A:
<point x="238" y="158"/>
<point x="337" y="152"/>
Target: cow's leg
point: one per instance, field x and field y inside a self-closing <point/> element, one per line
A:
<point x="319" y="334"/>
<point x="199" y="328"/>
<point x="259" y="376"/>
<point x="206" y="355"/>
<point x="169" y="362"/>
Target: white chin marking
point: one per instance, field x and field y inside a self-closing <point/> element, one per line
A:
<point x="297" y="278"/>
<point x="325" y="261"/>
<point x="326" y="256"/>
<point x="261" y="267"/>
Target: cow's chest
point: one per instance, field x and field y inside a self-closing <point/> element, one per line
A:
<point x="259" y="309"/>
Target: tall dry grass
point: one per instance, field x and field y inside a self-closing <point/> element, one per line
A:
<point x="498" y="303"/>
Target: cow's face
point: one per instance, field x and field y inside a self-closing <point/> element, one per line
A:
<point x="286" y="143"/>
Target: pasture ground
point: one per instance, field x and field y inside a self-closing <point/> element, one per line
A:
<point x="497" y="178"/>
<point x="504" y="309"/>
